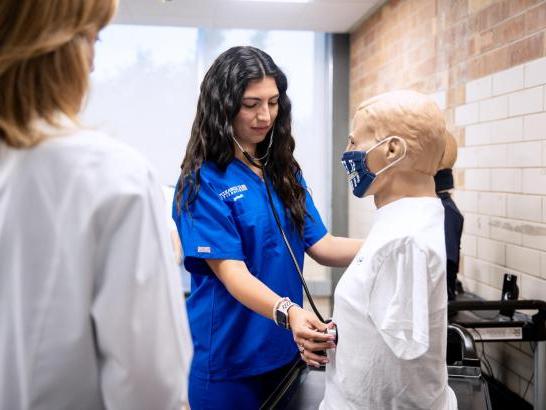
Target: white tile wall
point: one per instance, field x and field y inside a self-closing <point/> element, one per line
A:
<point x="509" y="130"/>
<point x="532" y="288"/>
<point x="478" y="134"/>
<point x="527" y="207"/>
<point x="504" y="194"/>
<point x="478" y="89"/>
<point x="492" y="251"/>
<point x="477" y="225"/>
<point x="486" y="273"/>
<point x="525" y="154"/>
<point x="534" y="181"/>
<point x="467" y="201"/>
<point x="492" y="203"/>
<point x="467" y="114"/>
<point x="506" y="180"/>
<point x="508" y="80"/>
<point x="467" y="157"/>
<point x="493" y="108"/>
<point x="477" y="179"/>
<point x="535" y="73"/>
<point x="534" y="236"/>
<point x="543" y="265"/>
<point x="497" y="275"/>
<point x="485" y="291"/>
<point x="477" y="270"/>
<point x="523" y="259"/>
<point x="492" y="156"/>
<point x="505" y="230"/>
<point x="534" y="126"/>
<point x="469" y="244"/>
<point x="526" y="101"/>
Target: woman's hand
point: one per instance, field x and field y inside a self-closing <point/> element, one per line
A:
<point x="310" y="335"/>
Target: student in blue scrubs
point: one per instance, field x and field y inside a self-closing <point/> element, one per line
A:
<point x="243" y="279"/>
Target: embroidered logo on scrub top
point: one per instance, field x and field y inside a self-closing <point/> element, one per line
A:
<point x="237" y="189"/>
<point x="203" y="249"/>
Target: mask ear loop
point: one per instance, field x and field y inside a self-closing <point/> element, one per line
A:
<point x="398" y="159"/>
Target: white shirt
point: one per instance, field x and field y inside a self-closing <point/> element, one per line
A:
<point x="91" y="310"/>
<point x="390" y="308"/>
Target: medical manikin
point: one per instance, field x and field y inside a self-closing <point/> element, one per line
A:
<point x="454" y="220"/>
<point x="391" y="305"/>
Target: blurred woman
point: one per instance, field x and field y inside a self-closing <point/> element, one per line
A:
<point x="91" y="314"/>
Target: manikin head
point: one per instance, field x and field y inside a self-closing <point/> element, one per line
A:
<point x="450" y="152"/>
<point x="403" y="134"/>
<point x="444" y="177"/>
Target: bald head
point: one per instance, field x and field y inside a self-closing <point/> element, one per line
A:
<point x="450" y="152"/>
<point x="412" y="116"/>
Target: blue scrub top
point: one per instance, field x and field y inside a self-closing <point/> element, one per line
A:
<point x="231" y="219"/>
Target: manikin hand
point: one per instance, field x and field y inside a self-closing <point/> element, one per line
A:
<point x="309" y="334"/>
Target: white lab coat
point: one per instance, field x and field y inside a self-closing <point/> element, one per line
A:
<point x="91" y="308"/>
<point x="390" y="308"/>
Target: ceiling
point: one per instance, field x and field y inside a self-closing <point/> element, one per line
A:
<point x="336" y="16"/>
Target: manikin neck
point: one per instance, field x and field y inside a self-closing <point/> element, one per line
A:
<point x="405" y="185"/>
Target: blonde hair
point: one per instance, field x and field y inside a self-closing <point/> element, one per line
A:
<point x="412" y="116"/>
<point x="450" y="152"/>
<point x="44" y="62"/>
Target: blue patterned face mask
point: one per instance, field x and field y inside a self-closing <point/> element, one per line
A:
<point x="360" y="177"/>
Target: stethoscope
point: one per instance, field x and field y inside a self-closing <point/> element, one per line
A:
<point x="254" y="162"/>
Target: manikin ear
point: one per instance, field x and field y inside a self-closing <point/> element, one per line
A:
<point x="395" y="149"/>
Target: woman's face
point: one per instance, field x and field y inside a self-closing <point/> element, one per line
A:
<point x="259" y="109"/>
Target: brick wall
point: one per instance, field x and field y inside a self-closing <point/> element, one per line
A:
<point x="483" y="61"/>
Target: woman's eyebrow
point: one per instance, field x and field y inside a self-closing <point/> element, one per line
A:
<point x="259" y="99"/>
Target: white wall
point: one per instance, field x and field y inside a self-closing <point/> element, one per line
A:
<point x="502" y="174"/>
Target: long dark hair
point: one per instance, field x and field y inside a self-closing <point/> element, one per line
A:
<point x="212" y="133"/>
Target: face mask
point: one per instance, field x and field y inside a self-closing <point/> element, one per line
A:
<point x="443" y="180"/>
<point x="360" y="177"/>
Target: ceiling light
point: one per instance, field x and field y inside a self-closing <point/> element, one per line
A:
<point x="280" y="1"/>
